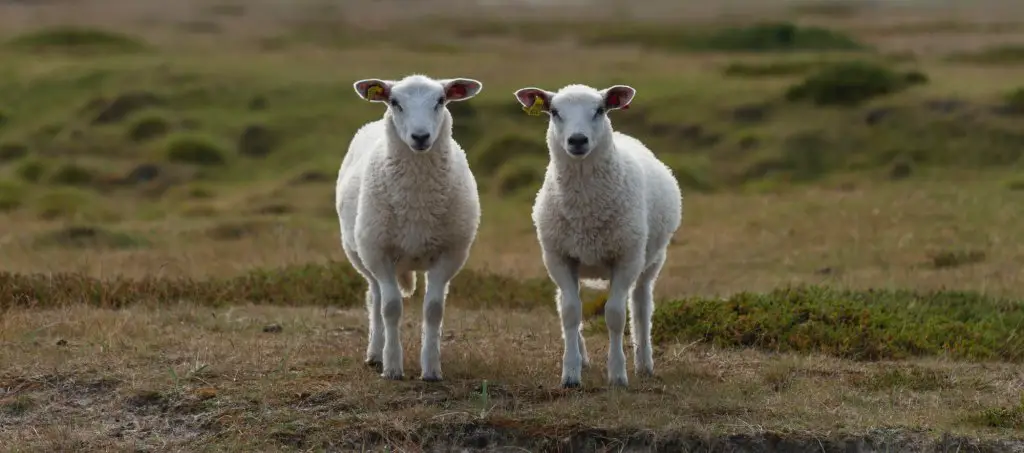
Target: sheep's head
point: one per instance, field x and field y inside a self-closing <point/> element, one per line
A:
<point x="417" y="104"/>
<point x="578" y="114"/>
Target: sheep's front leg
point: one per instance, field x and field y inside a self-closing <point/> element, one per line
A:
<point x="565" y="274"/>
<point x="438" y="276"/>
<point x="623" y="277"/>
<point x="391" y="312"/>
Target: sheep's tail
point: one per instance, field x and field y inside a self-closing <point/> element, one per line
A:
<point x="597" y="284"/>
<point x="407" y="283"/>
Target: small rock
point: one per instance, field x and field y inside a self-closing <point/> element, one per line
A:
<point x="272" y="328"/>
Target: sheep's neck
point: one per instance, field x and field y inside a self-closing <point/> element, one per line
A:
<point x="598" y="170"/>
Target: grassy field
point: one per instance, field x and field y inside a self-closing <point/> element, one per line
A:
<point x="847" y="277"/>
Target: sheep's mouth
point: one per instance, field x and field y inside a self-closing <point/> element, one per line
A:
<point x="421" y="148"/>
<point x="577" y="151"/>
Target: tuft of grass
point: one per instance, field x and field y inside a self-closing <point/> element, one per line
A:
<point x="852" y="83"/>
<point x="16" y="406"/>
<point x="1013" y="101"/>
<point x="502" y="149"/>
<point x="77" y="40"/>
<point x="858" y="325"/>
<point x="85" y="236"/>
<point x="71" y="174"/>
<point x="31" y="170"/>
<point x="12" y="151"/>
<point x="1001" y="417"/>
<point x="956" y="258"/>
<point x="148" y="126"/>
<point x="523" y="175"/>
<point x="760" y="37"/>
<point x="197" y="149"/>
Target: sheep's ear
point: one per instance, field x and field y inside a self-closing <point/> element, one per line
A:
<point x="373" y="90"/>
<point x="534" y="100"/>
<point x="618" y="97"/>
<point x="461" y="89"/>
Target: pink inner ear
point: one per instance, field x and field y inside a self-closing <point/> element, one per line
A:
<point x="456" y="92"/>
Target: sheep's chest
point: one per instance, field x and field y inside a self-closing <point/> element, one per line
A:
<point x="595" y="239"/>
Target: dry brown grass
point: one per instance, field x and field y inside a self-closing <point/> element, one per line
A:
<point x="182" y="376"/>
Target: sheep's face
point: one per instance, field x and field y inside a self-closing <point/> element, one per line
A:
<point x="417" y="104"/>
<point x="578" y="114"/>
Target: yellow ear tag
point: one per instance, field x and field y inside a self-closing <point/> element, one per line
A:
<point x="373" y="92"/>
<point x="594" y="307"/>
<point x="537" y="108"/>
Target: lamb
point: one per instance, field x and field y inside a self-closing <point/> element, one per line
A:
<point x="605" y="214"/>
<point x="407" y="202"/>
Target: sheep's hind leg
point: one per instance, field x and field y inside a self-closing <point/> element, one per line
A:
<point x="438" y="277"/>
<point x="375" y="346"/>
<point x="565" y="275"/>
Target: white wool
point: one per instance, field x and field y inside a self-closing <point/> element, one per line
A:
<point x="604" y="218"/>
<point x="403" y="211"/>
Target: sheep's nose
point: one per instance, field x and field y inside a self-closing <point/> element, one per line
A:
<point x="421" y="139"/>
<point x="578" y="140"/>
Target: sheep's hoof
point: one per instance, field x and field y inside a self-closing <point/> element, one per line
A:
<point x="392" y="375"/>
<point x="645" y="373"/>
<point x="374" y="364"/>
<point x="431" y="378"/>
<point x="571" y="384"/>
<point x="619" y="383"/>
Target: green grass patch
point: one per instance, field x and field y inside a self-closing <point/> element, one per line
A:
<point x="85" y="236"/>
<point x="761" y="37"/>
<point x="858" y="325"/>
<point x="1011" y="417"/>
<point x="852" y="83"/>
<point x="77" y="40"/>
<point x="197" y="149"/>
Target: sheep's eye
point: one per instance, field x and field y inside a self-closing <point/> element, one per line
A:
<point x="599" y="112"/>
<point x="554" y="113"/>
<point x="440" y="102"/>
<point x="396" y="105"/>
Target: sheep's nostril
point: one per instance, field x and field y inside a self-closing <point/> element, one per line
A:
<point x="578" y="140"/>
<point x="420" y="138"/>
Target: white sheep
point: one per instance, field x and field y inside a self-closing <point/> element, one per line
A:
<point x="407" y="201"/>
<point x="605" y="214"/>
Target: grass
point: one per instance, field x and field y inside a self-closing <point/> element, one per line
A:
<point x="172" y="278"/>
<point x="76" y="39"/>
